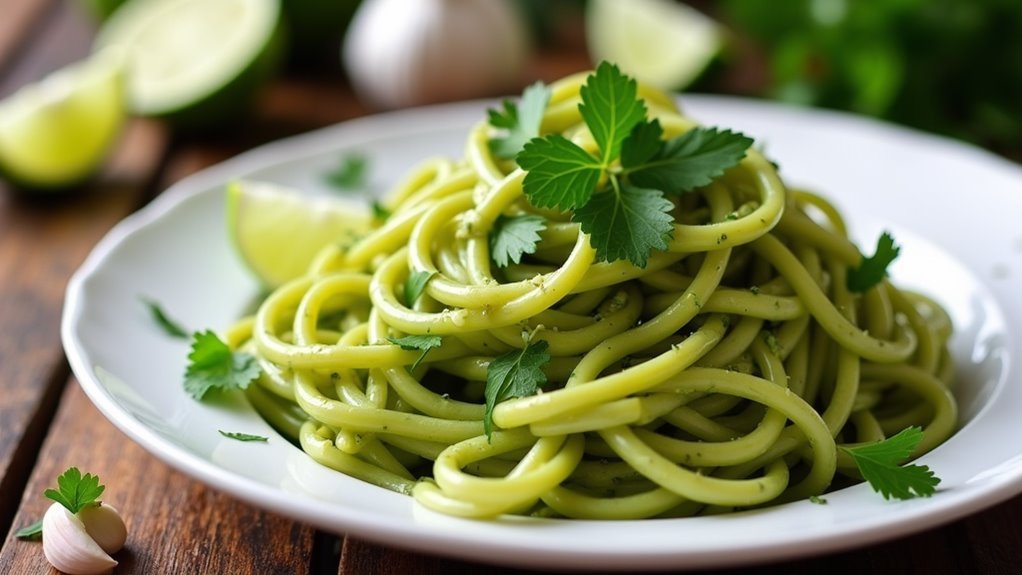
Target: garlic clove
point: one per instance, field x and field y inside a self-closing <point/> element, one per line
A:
<point x="104" y="524"/>
<point x="68" y="546"/>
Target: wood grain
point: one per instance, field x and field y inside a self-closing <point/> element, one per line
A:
<point x="175" y="524"/>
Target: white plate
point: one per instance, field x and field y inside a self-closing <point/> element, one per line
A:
<point x="954" y="208"/>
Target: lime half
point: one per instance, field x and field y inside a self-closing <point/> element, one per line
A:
<point x="57" y="132"/>
<point x="197" y="63"/>
<point x="278" y="231"/>
<point x="658" y="42"/>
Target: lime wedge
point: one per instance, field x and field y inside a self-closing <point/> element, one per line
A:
<point x="658" y="42"/>
<point x="278" y="231"/>
<point x="56" y="133"/>
<point x="196" y="63"/>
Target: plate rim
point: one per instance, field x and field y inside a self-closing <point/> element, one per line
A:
<point x="382" y="531"/>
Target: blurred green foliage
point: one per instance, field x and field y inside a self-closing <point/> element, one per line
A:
<point x="949" y="66"/>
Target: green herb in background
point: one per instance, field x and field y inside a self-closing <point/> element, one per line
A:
<point x="949" y="66"/>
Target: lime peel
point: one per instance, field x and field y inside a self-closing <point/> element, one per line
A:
<point x="57" y="132"/>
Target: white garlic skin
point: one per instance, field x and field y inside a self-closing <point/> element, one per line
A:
<point x="69" y="547"/>
<point x="104" y="524"/>
<point x="410" y="52"/>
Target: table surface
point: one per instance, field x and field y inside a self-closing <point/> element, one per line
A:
<point x="178" y="525"/>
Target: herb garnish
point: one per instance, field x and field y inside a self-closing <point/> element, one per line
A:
<point x="617" y="195"/>
<point x="76" y="491"/>
<point x="873" y="269"/>
<point x="350" y="174"/>
<point x="423" y="343"/>
<point x="213" y="366"/>
<point x="415" y="285"/>
<point x="514" y="236"/>
<point x="170" y="327"/>
<point x="879" y="465"/>
<point x="518" y="373"/>
<point x="522" y="121"/>
<point x="243" y="436"/>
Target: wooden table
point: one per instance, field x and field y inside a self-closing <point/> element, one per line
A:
<point x="178" y="525"/>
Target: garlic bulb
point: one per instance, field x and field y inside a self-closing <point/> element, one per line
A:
<point x="410" y="52"/>
<point x="80" y="545"/>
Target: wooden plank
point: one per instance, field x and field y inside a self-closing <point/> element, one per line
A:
<point x="42" y="240"/>
<point x="20" y="18"/>
<point x="175" y="524"/>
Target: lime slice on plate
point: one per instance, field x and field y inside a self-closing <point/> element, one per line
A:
<point x="278" y="231"/>
<point x="658" y="42"/>
<point x="196" y="63"/>
<point x="56" y="133"/>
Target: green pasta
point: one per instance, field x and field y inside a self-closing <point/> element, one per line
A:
<point x="723" y="375"/>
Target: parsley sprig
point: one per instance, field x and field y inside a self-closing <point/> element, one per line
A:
<point x="514" y="236"/>
<point x="618" y="194"/>
<point x="520" y="122"/>
<point x="872" y="269"/>
<point x="76" y="491"/>
<point x="422" y="343"/>
<point x="213" y="366"/>
<point x="518" y="373"/>
<point x="880" y="465"/>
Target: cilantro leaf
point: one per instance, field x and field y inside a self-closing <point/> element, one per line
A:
<point x="878" y="463"/>
<point x="691" y="160"/>
<point x="626" y="224"/>
<point x="170" y="327"/>
<point x="350" y="174"/>
<point x="518" y="373"/>
<point x="212" y="365"/>
<point x="559" y="174"/>
<point x="33" y="532"/>
<point x="75" y="491"/>
<point x="379" y="212"/>
<point x="423" y="343"/>
<point x="415" y="285"/>
<point x="513" y="236"/>
<point x="522" y="122"/>
<point x="872" y="270"/>
<point x="243" y="436"/>
<point x="610" y="108"/>
<point x="642" y="144"/>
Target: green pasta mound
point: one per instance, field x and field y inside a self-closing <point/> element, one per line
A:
<point x="436" y="359"/>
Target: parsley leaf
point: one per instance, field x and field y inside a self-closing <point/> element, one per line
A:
<point x="691" y="160"/>
<point x="417" y="342"/>
<point x="243" y="436"/>
<point x="415" y="285"/>
<point x="622" y="207"/>
<point x="33" y="532"/>
<point x="75" y="491"/>
<point x="350" y="174"/>
<point x="878" y="463"/>
<point x="642" y="144"/>
<point x="171" y="327"/>
<point x="559" y="174"/>
<point x="610" y="108"/>
<point x="212" y="365"/>
<point x="522" y="122"/>
<point x="872" y="270"/>
<point x="513" y="236"/>
<point x="643" y="216"/>
<point x="379" y="212"/>
<point x="518" y="373"/>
